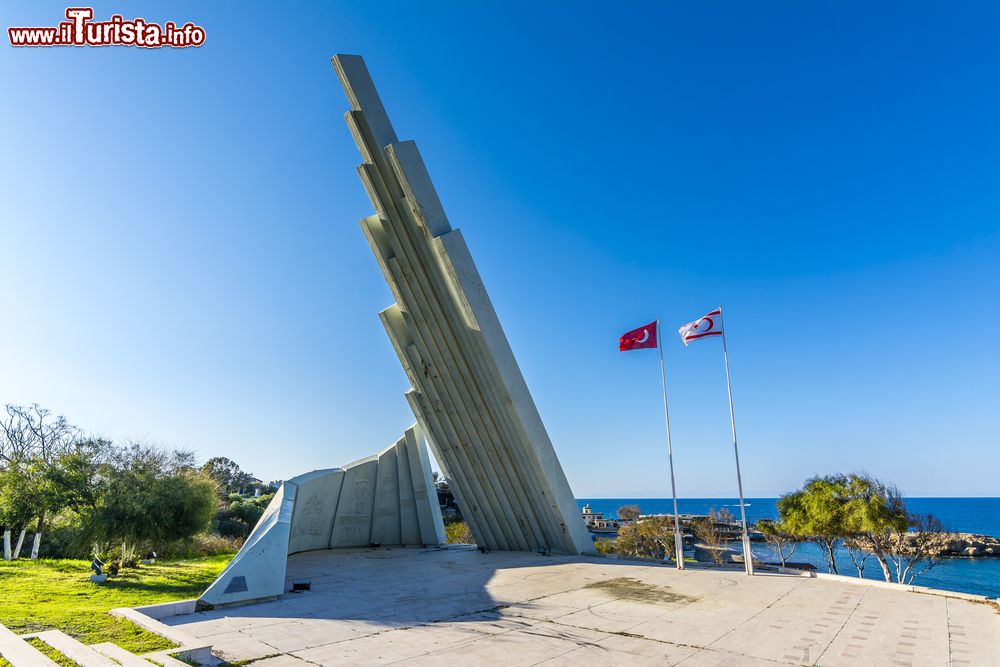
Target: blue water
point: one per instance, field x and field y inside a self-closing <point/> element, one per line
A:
<point x="980" y="576"/>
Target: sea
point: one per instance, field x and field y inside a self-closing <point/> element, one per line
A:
<point x="979" y="576"/>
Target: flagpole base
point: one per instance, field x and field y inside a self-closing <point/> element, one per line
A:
<point x="679" y="550"/>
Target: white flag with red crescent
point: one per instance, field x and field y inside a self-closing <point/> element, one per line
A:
<point x="703" y="327"/>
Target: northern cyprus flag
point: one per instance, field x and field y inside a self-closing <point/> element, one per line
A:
<point x="709" y="325"/>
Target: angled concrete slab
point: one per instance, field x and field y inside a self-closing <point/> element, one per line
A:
<point x="467" y="393"/>
<point x="316" y="495"/>
<point x="386" y="518"/>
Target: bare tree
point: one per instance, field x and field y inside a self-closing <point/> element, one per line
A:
<point x="708" y="530"/>
<point x="782" y="543"/>
<point x="33" y="432"/>
<point x="859" y="555"/>
<point x="15" y="437"/>
<point x="876" y="522"/>
<point x="31" y="440"/>
<point x="918" y="550"/>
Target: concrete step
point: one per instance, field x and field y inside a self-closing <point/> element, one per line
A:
<point x="20" y="653"/>
<point x="82" y="655"/>
<point x="166" y="659"/>
<point x="120" y="655"/>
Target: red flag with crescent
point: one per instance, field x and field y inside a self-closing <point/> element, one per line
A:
<point x="703" y="327"/>
<point x="638" y="339"/>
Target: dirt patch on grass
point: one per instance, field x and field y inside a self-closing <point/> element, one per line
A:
<point x="625" y="588"/>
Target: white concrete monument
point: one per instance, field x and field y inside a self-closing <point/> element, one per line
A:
<point x="467" y="390"/>
<point x="470" y="400"/>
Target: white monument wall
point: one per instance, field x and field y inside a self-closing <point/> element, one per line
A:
<point x="368" y="502"/>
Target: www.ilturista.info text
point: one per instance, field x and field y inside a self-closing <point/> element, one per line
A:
<point x="81" y="30"/>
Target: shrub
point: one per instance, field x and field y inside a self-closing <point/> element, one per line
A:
<point x="203" y="544"/>
<point x="605" y="546"/>
<point x="652" y="537"/>
<point x="459" y="533"/>
<point x="148" y="500"/>
<point x="65" y="538"/>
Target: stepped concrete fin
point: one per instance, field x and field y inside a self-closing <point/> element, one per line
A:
<point x="468" y="395"/>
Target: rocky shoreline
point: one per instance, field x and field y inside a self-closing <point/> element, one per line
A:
<point x="964" y="545"/>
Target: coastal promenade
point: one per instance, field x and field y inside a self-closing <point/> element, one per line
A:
<point x="458" y="606"/>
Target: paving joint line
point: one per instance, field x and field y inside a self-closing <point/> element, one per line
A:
<point x="708" y="646"/>
<point x="847" y="620"/>
<point x="947" y="616"/>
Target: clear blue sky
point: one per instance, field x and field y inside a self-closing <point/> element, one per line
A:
<point x="181" y="261"/>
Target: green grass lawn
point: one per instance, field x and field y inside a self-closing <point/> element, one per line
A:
<point x="57" y="595"/>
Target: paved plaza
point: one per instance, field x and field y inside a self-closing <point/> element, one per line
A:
<point x="458" y="606"/>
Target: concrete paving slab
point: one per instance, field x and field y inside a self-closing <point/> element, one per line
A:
<point x="644" y="651"/>
<point x="513" y="649"/>
<point x="490" y="623"/>
<point x="709" y="658"/>
<point x="236" y="646"/>
<point x="434" y="606"/>
<point x="281" y="661"/>
<point x="392" y="646"/>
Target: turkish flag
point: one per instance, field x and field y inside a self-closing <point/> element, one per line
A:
<point x="638" y="339"/>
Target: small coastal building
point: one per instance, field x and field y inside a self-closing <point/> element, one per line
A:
<point x="596" y="521"/>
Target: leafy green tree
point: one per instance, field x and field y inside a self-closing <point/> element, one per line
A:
<point x="32" y="441"/>
<point x="18" y="498"/>
<point x="629" y="512"/>
<point x="874" y="513"/>
<point x="147" y="497"/>
<point x="868" y="517"/>
<point x="241" y="516"/>
<point x="228" y="475"/>
<point x="818" y="512"/>
<point x="878" y="523"/>
<point x="652" y="537"/>
<point x="74" y="475"/>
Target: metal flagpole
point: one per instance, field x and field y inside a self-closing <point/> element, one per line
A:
<point x="747" y="553"/>
<point x="678" y="540"/>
